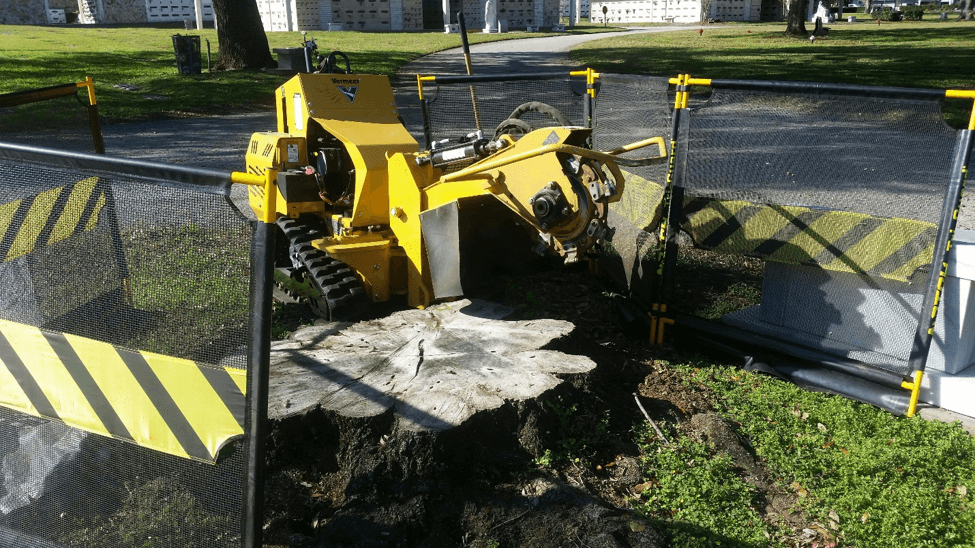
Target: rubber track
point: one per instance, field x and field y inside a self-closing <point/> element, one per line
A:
<point x="342" y="297"/>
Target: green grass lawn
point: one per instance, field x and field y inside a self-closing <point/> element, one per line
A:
<point x="34" y="57"/>
<point x="909" y="54"/>
<point x="936" y="54"/>
<point x="913" y="54"/>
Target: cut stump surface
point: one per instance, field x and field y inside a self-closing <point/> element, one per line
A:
<point x="435" y="368"/>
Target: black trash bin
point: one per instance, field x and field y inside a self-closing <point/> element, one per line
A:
<point x="187" y="50"/>
<point x="291" y="59"/>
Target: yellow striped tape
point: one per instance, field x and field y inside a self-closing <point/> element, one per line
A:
<point x="169" y="404"/>
<point x="641" y="203"/>
<point x="844" y="241"/>
<point x="49" y="217"/>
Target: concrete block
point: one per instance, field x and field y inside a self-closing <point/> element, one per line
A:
<point x="869" y="319"/>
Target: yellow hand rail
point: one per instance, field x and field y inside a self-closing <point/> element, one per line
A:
<point x="963" y="94"/>
<point x="269" y="182"/>
<point x="90" y="84"/>
<point x="659" y="141"/>
<point x="609" y="159"/>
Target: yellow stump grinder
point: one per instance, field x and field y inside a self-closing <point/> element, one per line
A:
<point x="365" y="214"/>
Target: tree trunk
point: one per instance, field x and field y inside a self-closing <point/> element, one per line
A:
<point x="241" y="37"/>
<point x="796" y="25"/>
<point x="966" y="10"/>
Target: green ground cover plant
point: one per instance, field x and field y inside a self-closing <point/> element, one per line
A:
<point x="868" y="478"/>
<point x="698" y="495"/>
<point x="873" y="479"/>
<point x="577" y="431"/>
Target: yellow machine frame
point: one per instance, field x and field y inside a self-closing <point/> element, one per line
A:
<point x="379" y="235"/>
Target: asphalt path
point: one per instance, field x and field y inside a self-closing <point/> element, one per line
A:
<point x="219" y="142"/>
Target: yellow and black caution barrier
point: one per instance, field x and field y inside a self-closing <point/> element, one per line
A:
<point x="49" y="217"/>
<point x="164" y="403"/>
<point x="169" y="404"/>
<point x="841" y="241"/>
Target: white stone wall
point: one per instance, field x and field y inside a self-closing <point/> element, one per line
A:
<point x="583" y="10"/>
<point x="396" y="14"/>
<point x="675" y="11"/>
<point x="474" y="14"/>
<point x="284" y="15"/>
<point x="290" y="15"/>
<point x="123" y="11"/>
<point x="384" y="15"/>
<point x="365" y="14"/>
<point x="736" y="10"/>
<point x="652" y="11"/>
<point x="518" y="13"/>
<point x="102" y="11"/>
<point x="23" y="12"/>
<point x="412" y="14"/>
<point x="552" y="15"/>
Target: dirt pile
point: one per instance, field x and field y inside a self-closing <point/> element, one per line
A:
<point x="335" y="481"/>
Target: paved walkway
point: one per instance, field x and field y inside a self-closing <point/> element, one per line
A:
<point x="518" y="56"/>
<point x="219" y="142"/>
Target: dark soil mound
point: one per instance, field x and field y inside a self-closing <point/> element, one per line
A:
<point x="339" y="482"/>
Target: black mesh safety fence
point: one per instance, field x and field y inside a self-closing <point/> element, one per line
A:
<point x="126" y="331"/>
<point x="629" y="109"/>
<point x="813" y="216"/>
<point x="457" y="106"/>
<point x="63" y="117"/>
<point x="807" y="214"/>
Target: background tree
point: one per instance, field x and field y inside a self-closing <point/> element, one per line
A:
<point x="705" y="10"/>
<point x="796" y="20"/>
<point x="241" y="37"/>
<point x="966" y="10"/>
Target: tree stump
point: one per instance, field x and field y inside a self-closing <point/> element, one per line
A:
<point x="420" y="429"/>
<point x="434" y="368"/>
